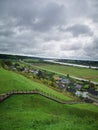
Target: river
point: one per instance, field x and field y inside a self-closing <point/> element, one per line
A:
<point x="69" y="64"/>
<point x="52" y="61"/>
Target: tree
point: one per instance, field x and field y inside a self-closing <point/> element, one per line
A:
<point x="67" y="75"/>
<point x="8" y="63"/>
<point x="2" y="64"/>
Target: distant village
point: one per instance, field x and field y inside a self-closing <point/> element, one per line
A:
<point x="85" y="90"/>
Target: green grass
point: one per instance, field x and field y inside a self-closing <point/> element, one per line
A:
<point x="86" y="73"/>
<point x="12" y="81"/>
<point x="34" y="112"/>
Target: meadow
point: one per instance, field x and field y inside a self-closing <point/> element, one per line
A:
<point x="13" y="81"/>
<point x="34" y="112"/>
<point x="85" y="73"/>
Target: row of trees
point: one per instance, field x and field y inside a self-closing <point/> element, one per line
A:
<point x="4" y="63"/>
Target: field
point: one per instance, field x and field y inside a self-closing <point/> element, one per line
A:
<point x="12" y="81"/>
<point x="89" y="74"/>
<point x="33" y="112"/>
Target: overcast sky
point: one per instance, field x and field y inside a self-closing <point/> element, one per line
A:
<point x="50" y="28"/>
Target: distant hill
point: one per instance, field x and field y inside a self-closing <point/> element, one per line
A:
<point x="19" y="57"/>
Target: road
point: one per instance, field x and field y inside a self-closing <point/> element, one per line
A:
<point x="74" y="77"/>
<point x="81" y="79"/>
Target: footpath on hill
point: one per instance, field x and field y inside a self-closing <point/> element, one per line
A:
<point x="46" y="95"/>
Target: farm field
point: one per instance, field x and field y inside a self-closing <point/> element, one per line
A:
<point x="34" y="112"/>
<point x="85" y="73"/>
<point x="12" y="81"/>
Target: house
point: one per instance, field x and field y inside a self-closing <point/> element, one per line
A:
<point x="25" y="69"/>
<point x="92" y="92"/>
<point x="82" y="94"/>
<point x="60" y="85"/>
<point x="93" y="95"/>
<point x="35" y="72"/>
<point x="64" y="80"/>
<point x="71" y="89"/>
<point x="78" y="87"/>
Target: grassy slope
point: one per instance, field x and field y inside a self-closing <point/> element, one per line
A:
<point x="85" y="73"/>
<point x="11" y="81"/>
<point x="33" y="112"/>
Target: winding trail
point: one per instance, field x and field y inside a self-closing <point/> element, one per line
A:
<point x="44" y="94"/>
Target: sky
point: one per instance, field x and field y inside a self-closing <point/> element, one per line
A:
<point x="50" y="28"/>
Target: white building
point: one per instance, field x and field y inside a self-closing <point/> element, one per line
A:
<point x="83" y="94"/>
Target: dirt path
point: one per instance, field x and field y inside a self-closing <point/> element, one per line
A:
<point x="46" y="95"/>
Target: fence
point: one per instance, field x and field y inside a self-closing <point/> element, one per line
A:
<point x="42" y="93"/>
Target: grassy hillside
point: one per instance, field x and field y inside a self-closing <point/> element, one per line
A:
<point x="85" y="73"/>
<point x="11" y="81"/>
<point x="33" y="112"/>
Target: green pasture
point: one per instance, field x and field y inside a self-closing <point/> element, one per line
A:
<point x="34" y="112"/>
<point x="13" y="81"/>
<point x="85" y="73"/>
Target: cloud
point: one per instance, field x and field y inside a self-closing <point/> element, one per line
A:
<point x="50" y="16"/>
<point x="79" y="29"/>
<point x="33" y="15"/>
<point x="94" y="10"/>
<point x="91" y="49"/>
<point x="53" y="28"/>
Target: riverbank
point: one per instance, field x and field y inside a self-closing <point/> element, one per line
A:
<point x="69" y="64"/>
